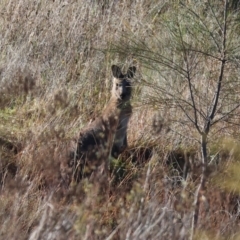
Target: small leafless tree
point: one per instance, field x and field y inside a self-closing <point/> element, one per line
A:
<point x="192" y="52"/>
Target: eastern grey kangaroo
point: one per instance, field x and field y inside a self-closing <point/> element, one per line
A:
<point x="108" y="133"/>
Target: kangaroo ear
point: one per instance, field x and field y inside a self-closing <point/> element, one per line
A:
<point x="131" y="71"/>
<point x="116" y="71"/>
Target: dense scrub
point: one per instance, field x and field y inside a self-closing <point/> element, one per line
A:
<point x="55" y="77"/>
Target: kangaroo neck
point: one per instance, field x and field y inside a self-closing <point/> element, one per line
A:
<point x="119" y="103"/>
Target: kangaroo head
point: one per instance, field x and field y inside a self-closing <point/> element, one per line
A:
<point x="121" y="83"/>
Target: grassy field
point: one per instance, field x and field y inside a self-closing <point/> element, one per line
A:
<point x="55" y="77"/>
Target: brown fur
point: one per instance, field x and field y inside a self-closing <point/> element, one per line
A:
<point x="107" y="134"/>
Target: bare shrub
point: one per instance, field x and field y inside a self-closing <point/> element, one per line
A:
<point x="55" y="64"/>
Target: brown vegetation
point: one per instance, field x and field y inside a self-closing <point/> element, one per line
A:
<point x="182" y="158"/>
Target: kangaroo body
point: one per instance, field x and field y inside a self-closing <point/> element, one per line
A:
<point x="120" y="140"/>
<point x="108" y="133"/>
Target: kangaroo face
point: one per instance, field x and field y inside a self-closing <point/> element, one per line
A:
<point x="121" y="89"/>
<point x="121" y="83"/>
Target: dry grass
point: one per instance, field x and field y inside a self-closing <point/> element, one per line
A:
<point x="54" y="78"/>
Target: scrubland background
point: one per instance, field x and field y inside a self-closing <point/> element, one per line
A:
<point x="55" y="77"/>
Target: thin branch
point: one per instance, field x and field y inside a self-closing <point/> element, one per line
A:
<point x="233" y="123"/>
<point x="225" y="116"/>
<point x="220" y="78"/>
<point x="193" y="102"/>
<point x="168" y="63"/>
<point x="145" y="49"/>
<point x="219" y="24"/>
<point x="204" y="53"/>
<point x="205" y="26"/>
<point x="183" y="135"/>
<point x="185" y="112"/>
<point x="195" y="121"/>
<point x="177" y="99"/>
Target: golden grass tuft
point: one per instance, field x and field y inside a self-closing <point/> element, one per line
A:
<point x="55" y="78"/>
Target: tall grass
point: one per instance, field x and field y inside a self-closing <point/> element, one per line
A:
<point x="55" y="77"/>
